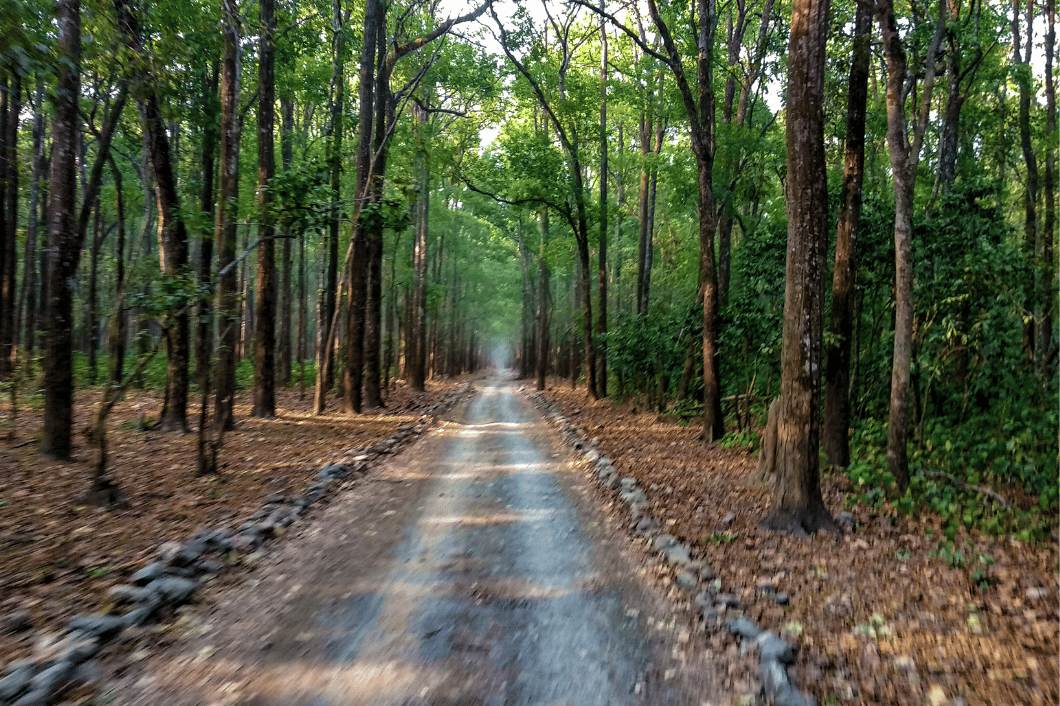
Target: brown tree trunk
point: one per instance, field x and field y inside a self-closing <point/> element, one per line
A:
<point x="225" y="235"/>
<point x="797" y="505"/>
<point x="1030" y="192"/>
<point x="904" y="156"/>
<point x="417" y="350"/>
<point x="9" y="198"/>
<point x="601" y="261"/>
<point x="283" y="345"/>
<point x="204" y="329"/>
<point x="172" y="232"/>
<point x="357" y="272"/>
<point x="329" y="288"/>
<point x="837" y="365"/>
<point x="1048" y="265"/>
<point x="91" y="322"/>
<point x="117" y="333"/>
<point x="62" y="232"/>
<point x="265" y="304"/>
<point x="543" y="301"/>
<point x="29" y="301"/>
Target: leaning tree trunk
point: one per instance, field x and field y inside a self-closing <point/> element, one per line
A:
<point x="837" y="367"/>
<point x="62" y="233"/>
<point x="265" y="309"/>
<point x="797" y="505"/>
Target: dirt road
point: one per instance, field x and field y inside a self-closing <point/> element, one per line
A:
<point x="473" y="568"/>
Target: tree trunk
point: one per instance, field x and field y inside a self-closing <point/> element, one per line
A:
<point x="1048" y="265"/>
<point x="837" y="367"/>
<point x="1030" y="192"/>
<point x="28" y="308"/>
<point x="357" y="272"/>
<point x="417" y="350"/>
<point x="225" y="235"/>
<point x="204" y="329"/>
<point x="9" y="263"/>
<point x="119" y="321"/>
<point x="62" y="231"/>
<point x="904" y="156"/>
<point x="543" y="301"/>
<point x="797" y="505"/>
<point x="172" y="232"/>
<point x="601" y="262"/>
<point x="92" y="316"/>
<point x="283" y="345"/>
<point x="329" y="291"/>
<point x="265" y="308"/>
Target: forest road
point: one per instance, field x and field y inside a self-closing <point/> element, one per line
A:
<point x="475" y="567"/>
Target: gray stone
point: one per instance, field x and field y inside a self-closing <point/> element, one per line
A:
<point x="123" y="594"/>
<point x="37" y="697"/>
<point x="664" y="541"/>
<point x="678" y="554"/>
<point x="173" y="589"/>
<point x="846" y="521"/>
<point x="98" y="624"/>
<point x="628" y="483"/>
<point x="729" y="518"/>
<point x="775" y="648"/>
<point x="635" y="496"/>
<point x="80" y="648"/>
<point x="782" y="598"/>
<point x="686" y="581"/>
<point x="140" y="615"/>
<point x="743" y="628"/>
<point x="148" y="573"/>
<point x="16" y="682"/>
<point x="645" y="526"/>
<point x="778" y="687"/>
<point x="706" y="572"/>
<point x="211" y="566"/>
<point x="247" y="541"/>
<point x="51" y="680"/>
<point x="727" y="600"/>
<point x="17" y="621"/>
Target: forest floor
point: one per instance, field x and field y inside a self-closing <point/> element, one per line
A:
<point x="58" y="557"/>
<point x="882" y="615"/>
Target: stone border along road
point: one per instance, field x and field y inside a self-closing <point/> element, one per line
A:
<point x="695" y="577"/>
<point x="62" y="660"/>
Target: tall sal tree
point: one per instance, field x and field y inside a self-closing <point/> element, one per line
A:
<point x="837" y="369"/>
<point x="697" y="98"/>
<point x="265" y="309"/>
<point x="797" y="505"/>
<point x="65" y="252"/>
<point x="904" y="144"/>
<point x="172" y="231"/>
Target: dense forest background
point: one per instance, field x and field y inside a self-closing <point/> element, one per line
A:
<point x="201" y="197"/>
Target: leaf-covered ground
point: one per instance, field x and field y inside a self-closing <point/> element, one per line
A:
<point x="887" y="614"/>
<point x="58" y="557"/>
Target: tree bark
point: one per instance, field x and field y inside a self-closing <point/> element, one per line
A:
<point x="62" y="231"/>
<point x="283" y="345"/>
<point x="417" y="350"/>
<point x="265" y="304"/>
<point x="837" y="365"/>
<point x="227" y="295"/>
<point x="1048" y="264"/>
<point x="601" y="260"/>
<point x="904" y="156"/>
<point x="357" y="270"/>
<point x="797" y="505"/>
<point x="9" y="263"/>
<point x="172" y="232"/>
<point x="204" y="329"/>
<point x="1030" y="192"/>
<point x="28" y="308"/>
<point x="118" y="331"/>
<point x="543" y="301"/>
